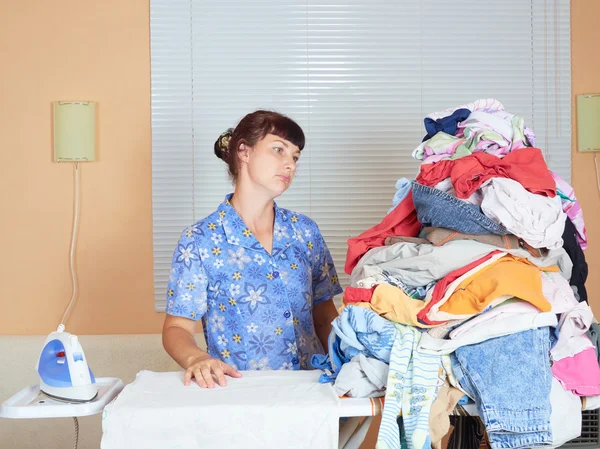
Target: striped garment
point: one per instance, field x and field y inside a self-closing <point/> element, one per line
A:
<point x="411" y="389"/>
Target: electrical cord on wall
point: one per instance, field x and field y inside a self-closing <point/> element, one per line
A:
<point x="597" y="177"/>
<point x="61" y="326"/>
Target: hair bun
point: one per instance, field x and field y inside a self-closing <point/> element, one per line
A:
<point x="222" y="144"/>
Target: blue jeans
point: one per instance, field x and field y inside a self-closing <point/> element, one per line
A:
<point x="442" y="210"/>
<point x="510" y="379"/>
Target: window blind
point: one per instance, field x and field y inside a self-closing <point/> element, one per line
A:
<point x="359" y="77"/>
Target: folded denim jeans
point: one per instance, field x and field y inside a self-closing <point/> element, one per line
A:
<point x="510" y="379"/>
<point x="442" y="210"/>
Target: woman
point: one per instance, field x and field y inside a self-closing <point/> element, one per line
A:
<point x="260" y="277"/>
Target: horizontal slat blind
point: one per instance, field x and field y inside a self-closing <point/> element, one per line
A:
<point x="359" y="77"/>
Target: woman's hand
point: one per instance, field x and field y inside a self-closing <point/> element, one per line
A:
<point x="204" y="367"/>
<point x="178" y="340"/>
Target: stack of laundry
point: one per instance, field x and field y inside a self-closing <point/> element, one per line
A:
<point x="472" y="288"/>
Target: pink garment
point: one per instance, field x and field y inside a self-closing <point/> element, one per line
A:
<point x="579" y="374"/>
<point x="572" y="209"/>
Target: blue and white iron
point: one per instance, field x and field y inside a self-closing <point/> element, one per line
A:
<point x="63" y="369"/>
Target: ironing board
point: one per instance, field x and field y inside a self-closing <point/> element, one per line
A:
<point x="147" y="392"/>
<point x="30" y="402"/>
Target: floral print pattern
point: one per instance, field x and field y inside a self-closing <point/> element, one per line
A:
<point x="255" y="307"/>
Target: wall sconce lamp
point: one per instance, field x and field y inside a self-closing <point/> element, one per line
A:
<point x="74" y="131"/>
<point x="588" y="122"/>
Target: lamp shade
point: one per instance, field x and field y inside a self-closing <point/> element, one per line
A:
<point x="588" y="122"/>
<point x="74" y="131"/>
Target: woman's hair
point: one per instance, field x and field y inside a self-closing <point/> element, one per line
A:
<point x="250" y="130"/>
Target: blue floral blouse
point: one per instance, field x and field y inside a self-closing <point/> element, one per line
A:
<point x="256" y="307"/>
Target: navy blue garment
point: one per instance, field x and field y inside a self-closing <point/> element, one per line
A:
<point x="442" y="210"/>
<point x="445" y="124"/>
<point x="580" y="267"/>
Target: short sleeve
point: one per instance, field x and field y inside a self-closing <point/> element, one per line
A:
<point x="187" y="287"/>
<point x="324" y="276"/>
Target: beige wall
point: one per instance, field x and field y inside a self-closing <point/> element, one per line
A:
<point x="76" y="50"/>
<point x="585" y="78"/>
<point x="100" y="51"/>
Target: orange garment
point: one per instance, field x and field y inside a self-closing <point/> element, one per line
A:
<point x="508" y="276"/>
<point x="394" y="305"/>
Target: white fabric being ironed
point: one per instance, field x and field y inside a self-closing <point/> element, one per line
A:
<point x="261" y="410"/>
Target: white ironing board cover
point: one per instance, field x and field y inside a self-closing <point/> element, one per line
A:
<point x="263" y="409"/>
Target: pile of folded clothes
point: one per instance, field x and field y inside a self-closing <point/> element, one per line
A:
<point x="471" y="289"/>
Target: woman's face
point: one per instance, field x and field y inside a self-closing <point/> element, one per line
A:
<point x="271" y="163"/>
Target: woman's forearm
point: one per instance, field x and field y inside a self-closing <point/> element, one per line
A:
<point x="323" y="314"/>
<point x="181" y="346"/>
